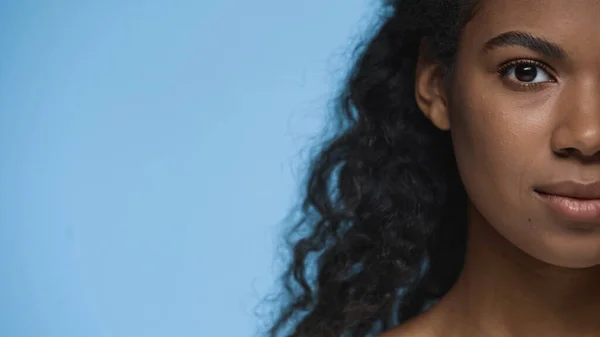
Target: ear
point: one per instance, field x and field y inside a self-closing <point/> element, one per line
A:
<point x="430" y="92"/>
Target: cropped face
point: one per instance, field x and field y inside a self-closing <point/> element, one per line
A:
<point x="524" y="115"/>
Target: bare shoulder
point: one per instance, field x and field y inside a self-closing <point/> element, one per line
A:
<point x="424" y="325"/>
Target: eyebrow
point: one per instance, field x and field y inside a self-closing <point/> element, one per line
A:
<point x="529" y="41"/>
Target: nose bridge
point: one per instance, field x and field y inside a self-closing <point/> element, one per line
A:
<point x="579" y="127"/>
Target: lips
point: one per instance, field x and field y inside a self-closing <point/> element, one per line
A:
<point x="574" y="200"/>
<point x="572" y="189"/>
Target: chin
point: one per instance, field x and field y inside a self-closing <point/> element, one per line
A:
<point x="562" y="243"/>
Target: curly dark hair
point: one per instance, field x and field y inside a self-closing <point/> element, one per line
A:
<point x="384" y="214"/>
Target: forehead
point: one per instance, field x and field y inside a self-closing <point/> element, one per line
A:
<point x="574" y="24"/>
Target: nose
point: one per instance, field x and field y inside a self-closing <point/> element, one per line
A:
<point x="578" y="132"/>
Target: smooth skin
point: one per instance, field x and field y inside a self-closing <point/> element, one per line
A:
<point x="529" y="272"/>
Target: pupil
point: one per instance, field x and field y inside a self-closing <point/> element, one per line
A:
<point x="525" y="73"/>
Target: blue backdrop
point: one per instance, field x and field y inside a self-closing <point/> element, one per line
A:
<point x="150" y="150"/>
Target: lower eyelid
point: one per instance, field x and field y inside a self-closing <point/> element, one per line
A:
<point x="524" y="86"/>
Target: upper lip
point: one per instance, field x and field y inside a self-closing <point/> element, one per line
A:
<point x="572" y="189"/>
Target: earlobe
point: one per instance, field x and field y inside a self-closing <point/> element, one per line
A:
<point x="430" y="92"/>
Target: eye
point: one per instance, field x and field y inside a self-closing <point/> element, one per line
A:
<point x="526" y="72"/>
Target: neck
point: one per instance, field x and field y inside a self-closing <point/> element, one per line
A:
<point x="504" y="292"/>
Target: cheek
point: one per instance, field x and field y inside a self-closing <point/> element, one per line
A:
<point x="494" y="153"/>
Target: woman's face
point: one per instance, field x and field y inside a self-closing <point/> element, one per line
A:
<point x="524" y="114"/>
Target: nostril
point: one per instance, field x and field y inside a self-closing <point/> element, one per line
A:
<point x="567" y="152"/>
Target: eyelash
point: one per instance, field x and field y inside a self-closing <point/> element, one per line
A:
<point x="504" y="68"/>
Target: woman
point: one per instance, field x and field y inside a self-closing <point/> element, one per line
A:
<point x="461" y="196"/>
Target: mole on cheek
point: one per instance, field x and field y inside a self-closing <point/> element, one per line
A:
<point x="531" y="223"/>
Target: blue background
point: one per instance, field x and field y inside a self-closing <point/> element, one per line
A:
<point x="150" y="150"/>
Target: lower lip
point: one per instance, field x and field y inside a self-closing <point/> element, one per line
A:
<point x="576" y="209"/>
